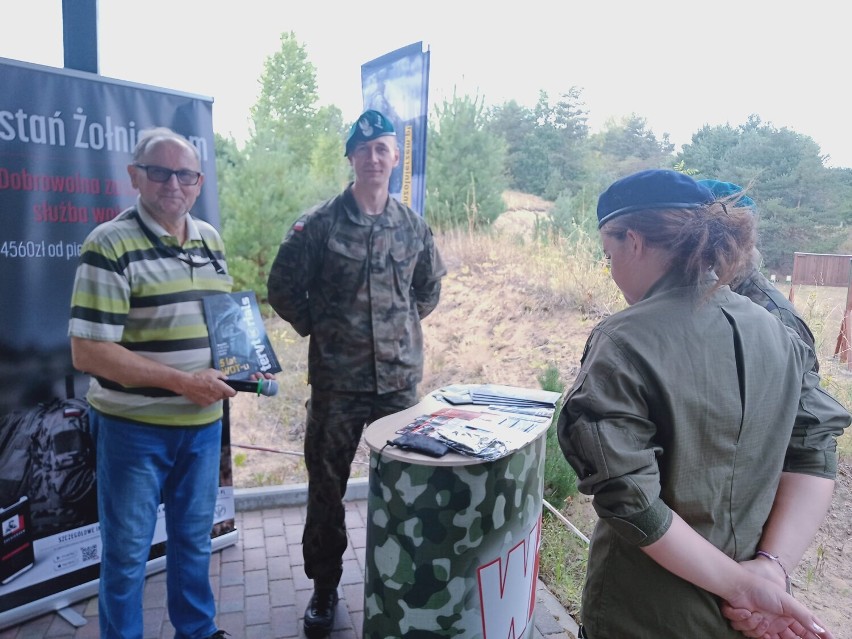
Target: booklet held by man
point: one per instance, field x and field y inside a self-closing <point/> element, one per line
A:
<point x="238" y="337"/>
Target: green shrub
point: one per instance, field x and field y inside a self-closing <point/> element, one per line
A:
<point x="560" y="481"/>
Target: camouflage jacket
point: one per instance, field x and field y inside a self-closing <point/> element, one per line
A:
<point x="359" y="287"/>
<point x="763" y="293"/>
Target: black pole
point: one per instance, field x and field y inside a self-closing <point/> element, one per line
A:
<point x="80" y="34"/>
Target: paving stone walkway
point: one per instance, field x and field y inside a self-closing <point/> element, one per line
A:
<point x="260" y="583"/>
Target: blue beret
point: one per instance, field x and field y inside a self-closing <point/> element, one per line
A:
<point x="651" y="189"/>
<point x="369" y="126"/>
<point x="722" y="190"/>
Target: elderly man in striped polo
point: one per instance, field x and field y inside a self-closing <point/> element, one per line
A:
<point x="137" y="327"/>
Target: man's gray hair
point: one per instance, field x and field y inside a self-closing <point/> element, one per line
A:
<point x="150" y="136"/>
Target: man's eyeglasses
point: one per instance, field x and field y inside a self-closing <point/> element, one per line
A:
<point x="162" y="174"/>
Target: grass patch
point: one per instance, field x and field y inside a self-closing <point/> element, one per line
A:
<point x="562" y="562"/>
<point x="554" y="273"/>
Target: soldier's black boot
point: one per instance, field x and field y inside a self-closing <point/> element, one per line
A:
<point x="319" y="615"/>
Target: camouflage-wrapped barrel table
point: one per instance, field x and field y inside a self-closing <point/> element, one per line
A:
<point x="452" y="542"/>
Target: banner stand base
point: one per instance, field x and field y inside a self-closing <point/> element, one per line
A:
<point x="72" y="616"/>
<point x="61" y="601"/>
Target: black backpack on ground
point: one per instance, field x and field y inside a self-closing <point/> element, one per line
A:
<point x="47" y="453"/>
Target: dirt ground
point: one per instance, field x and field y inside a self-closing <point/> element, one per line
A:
<point x="486" y="330"/>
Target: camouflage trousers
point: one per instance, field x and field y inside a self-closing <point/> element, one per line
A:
<point x="335" y="423"/>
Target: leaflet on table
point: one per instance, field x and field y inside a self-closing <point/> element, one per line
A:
<point x="529" y="412"/>
<point x="495" y="394"/>
<point x="513" y="396"/>
<point x="479" y="432"/>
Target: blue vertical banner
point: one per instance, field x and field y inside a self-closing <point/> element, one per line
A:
<point x="397" y="84"/>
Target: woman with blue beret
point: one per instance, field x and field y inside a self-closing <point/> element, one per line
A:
<point x="751" y="282"/>
<point x="698" y="424"/>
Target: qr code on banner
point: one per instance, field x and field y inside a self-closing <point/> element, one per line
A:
<point x="90" y="553"/>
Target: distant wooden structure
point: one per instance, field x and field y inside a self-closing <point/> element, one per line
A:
<point x="820" y="269"/>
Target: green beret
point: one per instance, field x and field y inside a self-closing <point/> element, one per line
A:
<point x="369" y="126"/>
<point x="728" y="190"/>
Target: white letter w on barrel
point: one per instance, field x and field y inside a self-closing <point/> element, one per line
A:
<point x="507" y="589"/>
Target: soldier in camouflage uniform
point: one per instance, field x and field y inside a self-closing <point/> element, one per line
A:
<point x="752" y="283"/>
<point x="357" y="273"/>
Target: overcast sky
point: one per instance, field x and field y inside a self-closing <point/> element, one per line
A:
<point x="678" y="64"/>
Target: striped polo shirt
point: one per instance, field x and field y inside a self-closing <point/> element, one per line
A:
<point x="137" y="287"/>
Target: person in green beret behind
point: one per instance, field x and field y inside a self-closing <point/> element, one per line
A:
<point x="357" y="274"/>
<point x="751" y="282"/>
<point x="698" y="424"/>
